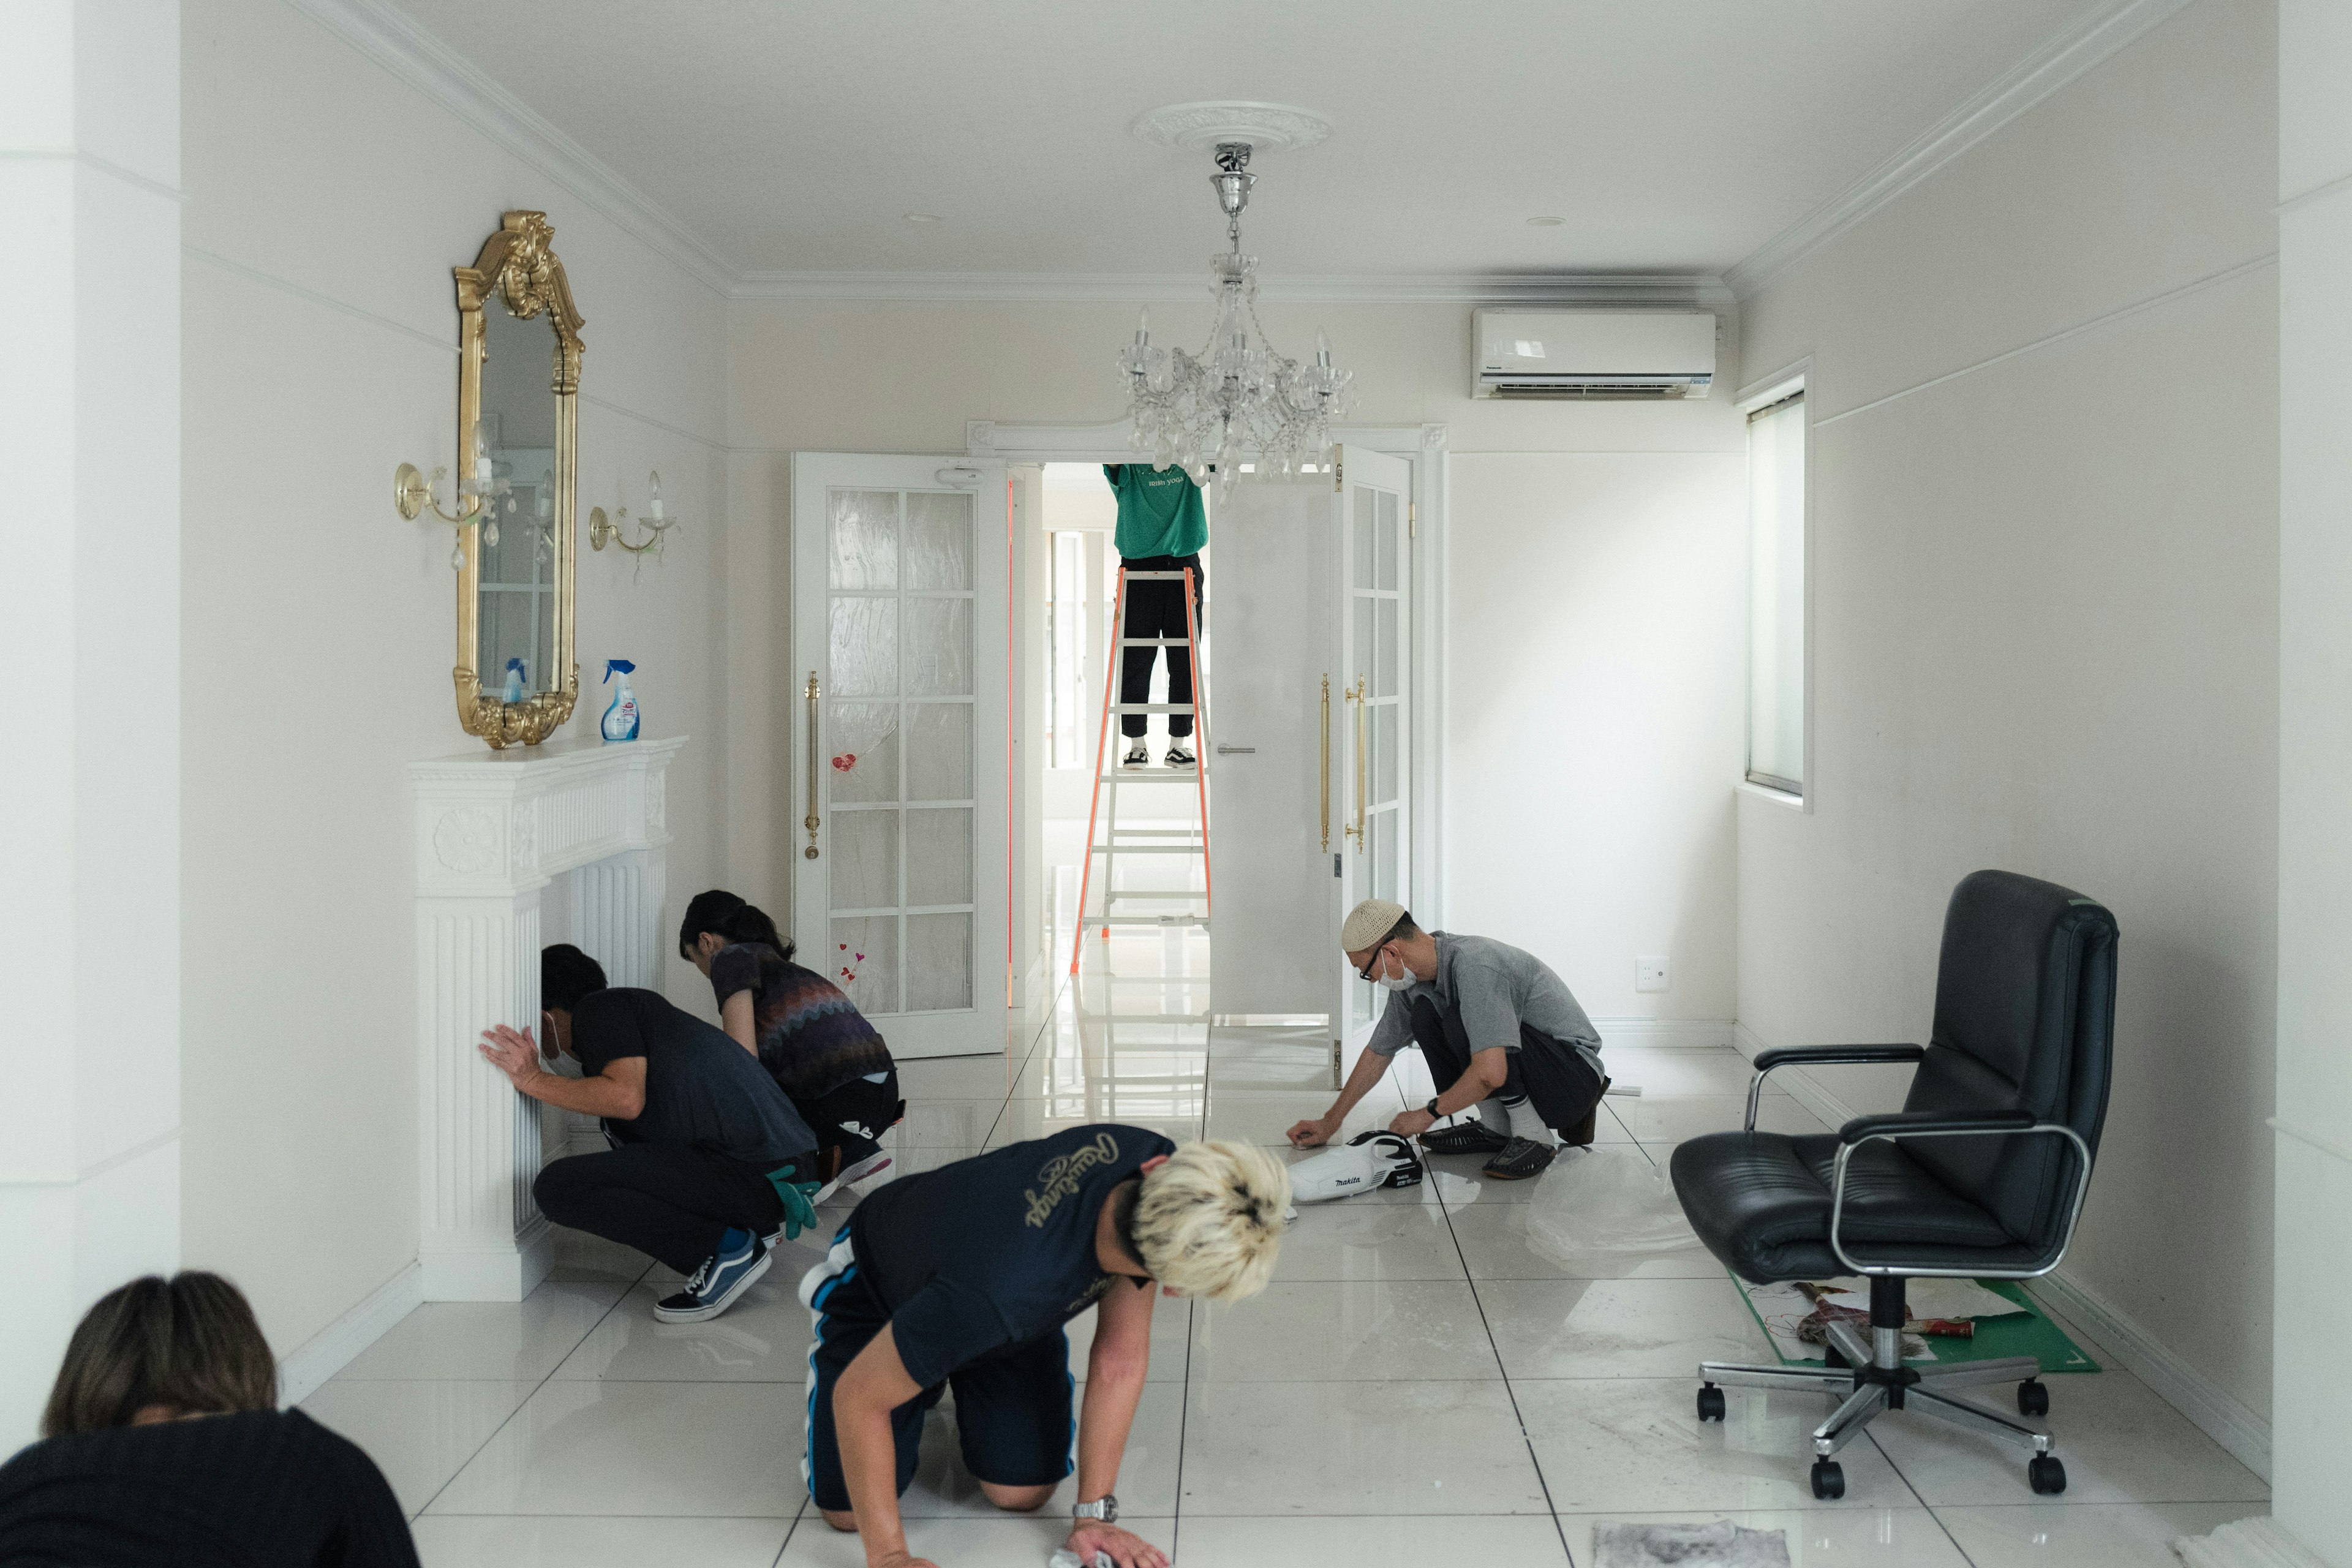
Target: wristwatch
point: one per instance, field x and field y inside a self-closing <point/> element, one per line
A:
<point x="1434" y="1114"/>
<point x="1107" y="1510"/>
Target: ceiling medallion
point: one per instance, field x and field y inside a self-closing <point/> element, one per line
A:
<point x="1237" y="398"/>
<point x="1266" y="127"/>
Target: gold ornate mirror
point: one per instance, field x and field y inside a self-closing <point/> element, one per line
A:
<point x="518" y="451"/>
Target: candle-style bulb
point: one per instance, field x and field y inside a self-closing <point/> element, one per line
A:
<point x="654" y="479"/>
<point x="1322" y="349"/>
<point x="1143" y="328"/>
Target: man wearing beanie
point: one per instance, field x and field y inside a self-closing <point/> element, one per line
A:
<point x="1498" y="1030"/>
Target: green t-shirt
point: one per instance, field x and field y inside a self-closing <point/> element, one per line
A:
<point x="1159" y="511"/>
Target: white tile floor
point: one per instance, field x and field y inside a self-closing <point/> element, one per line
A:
<point x="1470" y="1371"/>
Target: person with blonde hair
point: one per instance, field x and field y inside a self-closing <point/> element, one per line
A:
<point x="163" y="1445"/>
<point x="963" y="1279"/>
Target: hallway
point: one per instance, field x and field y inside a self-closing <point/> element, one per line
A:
<point x="1371" y="1405"/>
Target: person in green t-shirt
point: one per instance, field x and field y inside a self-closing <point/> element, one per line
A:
<point x="1161" y="527"/>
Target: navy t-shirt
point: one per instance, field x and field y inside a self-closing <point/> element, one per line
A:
<point x="702" y="1090"/>
<point x="995" y="1250"/>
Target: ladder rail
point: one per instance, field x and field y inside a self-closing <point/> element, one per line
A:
<point x="1199" y="739"/>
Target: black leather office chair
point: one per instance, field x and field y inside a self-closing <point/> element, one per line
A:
<point x="1980" y="1175"/>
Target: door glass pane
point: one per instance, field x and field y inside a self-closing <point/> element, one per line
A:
<point x="864" y="742"/>
<point x="939" y="750"/>
<point x="939" y="961"/>
<point x="864" y="538"/>
<point x="1384" y="662"/>
<point x="939" y="647"/>
<point x="1388" y="551"/>
<point x="938" y="540"/>
<point x="1361" y="999"/>
<point x="1363" y="513"/>
<point x="866" y="961"/>
<point x="1384" y="754"/>
<point x="1362" y="652"/>
<point x="865" y="859"/>
<point x="863" y="658"/>
<point x="1384" y="856"/>
<point x="939" y="857"/>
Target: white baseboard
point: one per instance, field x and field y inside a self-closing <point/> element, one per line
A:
<point x="2258" y="1541"/>
<point x="334" y="1347"/>
<point x="1663" y="1033"/>
<point x="2216" y="1412"/>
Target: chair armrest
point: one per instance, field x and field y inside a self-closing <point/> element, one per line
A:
<point x="1820" y="1055"/>
<point x="1914" y="1124"/>
<point x="1899" y="1125"/>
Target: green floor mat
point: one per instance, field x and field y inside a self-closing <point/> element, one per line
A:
<point x="2029" y="1332"/>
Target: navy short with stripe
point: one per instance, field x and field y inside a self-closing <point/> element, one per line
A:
<point x="1015" y="1407"/>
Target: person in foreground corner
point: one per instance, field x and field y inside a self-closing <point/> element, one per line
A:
<point x="963" y="1279"/>
<point x="828" y="1060"/>
<point x="163" y="1447"/>
<point x="1499" y="1030"/>
<point x="708" y="1160"/>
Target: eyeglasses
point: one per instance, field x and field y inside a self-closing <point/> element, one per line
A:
<point x="1365" y="973"/>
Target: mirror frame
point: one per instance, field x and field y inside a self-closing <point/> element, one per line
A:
<point x="519" y="262"/>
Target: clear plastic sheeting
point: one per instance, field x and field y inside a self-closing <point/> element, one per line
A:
<point x="1722" y="1544"/>
<point x="1608" y="1199"/>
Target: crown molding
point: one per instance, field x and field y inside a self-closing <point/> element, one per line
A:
<point x="382" y="33"/>
<point x="1166" y="287"/>
<point x="2096" y="38"/>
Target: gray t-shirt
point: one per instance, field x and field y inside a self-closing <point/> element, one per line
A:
<point x="702" y="1090"/>
<point x="1498" y="987"/>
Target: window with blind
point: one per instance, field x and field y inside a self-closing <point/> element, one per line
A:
<point x="1776" y="595"/>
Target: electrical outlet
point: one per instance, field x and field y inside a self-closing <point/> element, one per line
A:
<point x="1650" y="972"/>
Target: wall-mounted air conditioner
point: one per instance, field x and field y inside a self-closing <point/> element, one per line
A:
<point x="1592" y="354"/>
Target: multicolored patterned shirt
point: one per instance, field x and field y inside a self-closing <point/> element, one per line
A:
<point x="813" y="1039"/>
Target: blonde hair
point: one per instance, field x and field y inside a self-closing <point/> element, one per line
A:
<point x="1209" y="1222"/>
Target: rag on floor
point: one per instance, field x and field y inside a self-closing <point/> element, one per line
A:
<point x="1723" y="1544"/>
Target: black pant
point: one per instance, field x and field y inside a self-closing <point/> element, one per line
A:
<point x="852" y="1118"/>
<point x="1565" y="1091"/>
<point x="671" y="1204"/>
<point x="1157" y="610"/>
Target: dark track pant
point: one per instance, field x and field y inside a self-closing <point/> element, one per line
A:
<point x="852" y="1118"/>
<point x="1564" y="1089"/>
<point x="671" y="1204"/>
<point x="1157" y="610"/>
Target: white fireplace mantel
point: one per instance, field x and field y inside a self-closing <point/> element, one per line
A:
<point x="494" y="829"/>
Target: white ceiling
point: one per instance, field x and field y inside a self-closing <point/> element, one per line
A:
<point x="1672" y="135"/>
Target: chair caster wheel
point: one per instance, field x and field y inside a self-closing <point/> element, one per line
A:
<point x="1829" y="1479"/>
<point x="2046" y="1474"/>
<point x="1710" y="1404"/>
<point x="2034" y="1397"/>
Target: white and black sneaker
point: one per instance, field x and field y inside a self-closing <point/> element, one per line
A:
<point x="1137" y="757"/>
<point x="1180" y="756"/>
<point x="725" y="1275"/>
<point x="874" y="1164"/>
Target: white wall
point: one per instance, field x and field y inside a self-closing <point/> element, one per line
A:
<point x="89" y="436"/>
<point x="2313" y="1383"/>
<point x="328" y="203"/>
<point x="1629" y="515"/>
<point x="2044" y="578"/>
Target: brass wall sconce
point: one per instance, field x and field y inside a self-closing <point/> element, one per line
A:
<point x="478" y="496"/>
<point x="604" y="531"/>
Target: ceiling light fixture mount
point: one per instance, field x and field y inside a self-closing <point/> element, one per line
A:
<point x="1237" y="398"/>
<point x="1200" y="126"/>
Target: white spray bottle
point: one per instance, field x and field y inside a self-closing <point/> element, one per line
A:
<point x="512" y="694"/>
<point x="621" y="718"/>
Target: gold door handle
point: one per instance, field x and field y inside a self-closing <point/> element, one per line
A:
<point x="1355" y="830"/>
<point x="1325" y="796"/>
<point x="811" y="821"/>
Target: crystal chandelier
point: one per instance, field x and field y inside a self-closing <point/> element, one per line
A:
<point x="1237" y="398"/>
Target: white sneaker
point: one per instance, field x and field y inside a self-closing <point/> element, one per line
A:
<point x="1180" y="756"/>
<point x="874" y="1164"/>
<point x="1137" y="757"/>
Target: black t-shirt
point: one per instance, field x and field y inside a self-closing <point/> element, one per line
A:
<point x="262" y="1489"/>
<point x="995" y="1250"/>
<point x="702" y="1090"/>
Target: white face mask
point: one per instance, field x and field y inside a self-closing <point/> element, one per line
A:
<point x="1403" y="981"/>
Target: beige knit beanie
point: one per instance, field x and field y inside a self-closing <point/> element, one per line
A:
<point x="1368" y="922"/>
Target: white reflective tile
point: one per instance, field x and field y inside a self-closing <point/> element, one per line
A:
<point x="1147" y="1475"/>
<point x="1506" y="1541"/>
<point x="1000" y="1540"/>
<point x="1676" y="1121"/>
<point x="903" y="1162"/>
<point x="1266" y="1116"/>
<point x="959" y="1078"/>
<point x="1667" y="1073"/>
<point x="695" y="1449"/>
<point x="1637" y="1445"/>
<point x="944" y="1124"/>
<point x="583" y="1256"/>
<point x="447" y="1541"/>
<point x="763" y="1338"/>
<point x="1292" y="1060"/>
<point x="1324" y="1331"/>
<point x="1356" y="1238"/>
<point x="489" y="1339"/>
<point x="1168" y="1069"/>
<point x="2085" y="1535"/>
<point x="1593" y="1237"/>
<point x="1337" y="1448"/>
<point x="2120" y="1441"/>
<point x="1619" y="1328"/>
<point x="1171" y="1334"/>
<point x="418" y="1433"/>
<point x="1022" y="1121"/>
<point x="1824" y="1538"/>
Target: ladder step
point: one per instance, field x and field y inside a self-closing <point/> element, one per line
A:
<point x="1157" y="832"/>
<point x="1153" y="577"/>
<point x="1196" y="893"/>
<point x="1149" y="920"/>
<point x="1152" y="707"/>
<point x="1146" y="848"/>
<point x="1155" y="775"/>
<point x="1155" y="642"/>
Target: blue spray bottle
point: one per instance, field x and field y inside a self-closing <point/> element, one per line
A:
<point x="621" y="718"/>
<point x="512" y="694"/>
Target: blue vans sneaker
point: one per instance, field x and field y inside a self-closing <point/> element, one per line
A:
<point x="724" y="1275"/>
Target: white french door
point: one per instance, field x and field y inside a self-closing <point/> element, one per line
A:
<point x="899" y="741"/>
<point x="1375" y="614"/>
